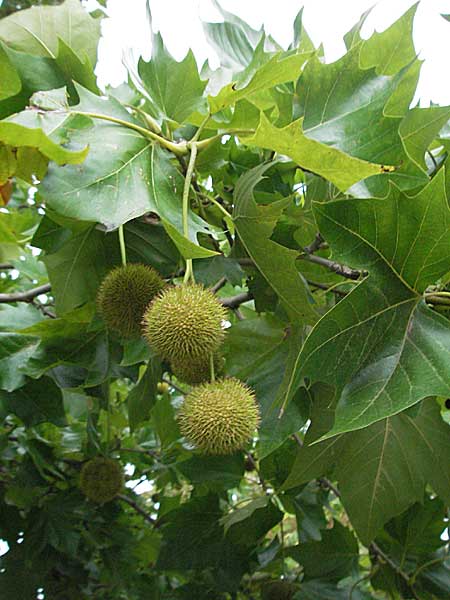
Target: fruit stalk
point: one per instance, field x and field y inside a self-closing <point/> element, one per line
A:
<point x="189" y="274"/>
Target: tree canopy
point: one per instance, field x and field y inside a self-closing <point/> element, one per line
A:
<point x="297" y="215"/>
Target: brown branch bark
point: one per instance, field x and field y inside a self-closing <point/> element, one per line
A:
<point x="333" y="266"/>
<point x="27" y="296"/>
<point x="137" y="508"/>
<point x="236" y="301"/>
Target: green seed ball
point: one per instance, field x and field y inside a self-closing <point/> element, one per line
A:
<point x="101" y="479"/>
<point x="124" y="295"/>
<point x="197" y="371"/>
<point x="219" y="417"/>
<point x="184" y="323"/>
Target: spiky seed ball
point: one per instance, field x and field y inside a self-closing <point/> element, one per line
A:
<point x="184" y="323"/>
<point x="219" y="417"/>
<point x="197" y="371"/>
<point x="101" y="479"/>
<point x="124" y="295"/>
<point x="278" y="590"/>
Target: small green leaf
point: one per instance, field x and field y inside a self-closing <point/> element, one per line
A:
<point x="174" y="89"/>
<point x="340" y="168"/>
<point x="393" y="48"/>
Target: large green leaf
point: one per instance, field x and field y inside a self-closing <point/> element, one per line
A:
<point x="17" y="135"/>
<point x="341" y="169"/>
<point x="133" y="177"/>
<point x="111" y="187"/>
<point x="255" y="224"/>
<point x="333" y="558"/>
<point x="381" y="346"/>
<point x="37" y="30"/>
<point x="344" y="109"/>
<point x="77" y="268"/>
<point x="15" y="353"/>
<point x="174" y="89"/>
<point x="36" y="402"/>
<point x="11" y="83"/>
<point x="381" y="469"/>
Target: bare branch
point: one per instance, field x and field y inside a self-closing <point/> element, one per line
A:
<point x="235" y="301"/>
<point x="331" y="265"/>
<point x="218" y="285"/>
<point x="27" y="296"/>
<point x="137" y="508"/>
<point x="6" y="266"/>
<point x="315" y="244"/>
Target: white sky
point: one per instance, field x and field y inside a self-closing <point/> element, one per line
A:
<point x="325" y="20"/>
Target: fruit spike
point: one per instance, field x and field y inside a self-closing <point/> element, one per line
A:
<point x="219" y="417"/>
<point x="101" y="479"/>
<point x="124" y="295"/>
<point x="184" y="323"/>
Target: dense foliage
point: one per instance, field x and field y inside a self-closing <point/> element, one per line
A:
<point x="313" y="201"/>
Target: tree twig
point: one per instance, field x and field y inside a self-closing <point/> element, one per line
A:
<point x="315" y="244"/>
<point x="235" y="301"/>
<point x="137" y="508"/>
<point x="6" y="266"/>
<point x="27" y="296"/>
<point x="175" y="387"/>
<point x="218" y="285"/>
<point x="333" y="266"/>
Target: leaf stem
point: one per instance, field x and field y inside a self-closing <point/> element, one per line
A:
<point x="178" y="149"/>
<point x="220" y="207"/>
<point x="211" y="367"/>
<point x="430" y="563"/>
<point x="189" y="274"/>
<point x="150" y="121"/>
<point x="200" y="129"/>
<point x="123" y="250"/>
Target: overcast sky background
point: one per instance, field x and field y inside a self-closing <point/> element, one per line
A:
<point x="180" y="23"/>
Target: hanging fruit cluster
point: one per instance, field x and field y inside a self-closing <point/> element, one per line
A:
<point x="184" y="325"/>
